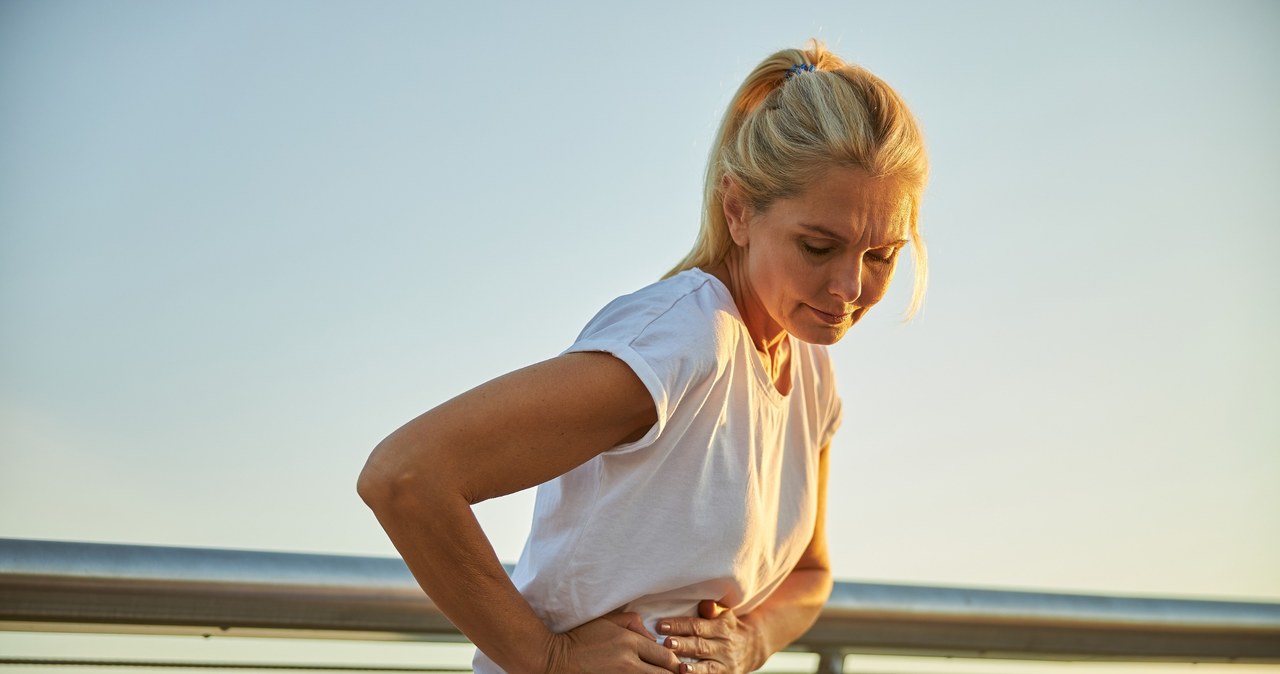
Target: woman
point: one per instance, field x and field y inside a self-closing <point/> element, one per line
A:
<point x="681" y="442"/>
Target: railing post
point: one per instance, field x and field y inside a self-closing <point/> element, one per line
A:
<point x="830" y="662"/>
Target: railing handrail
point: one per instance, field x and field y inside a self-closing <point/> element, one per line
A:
<point x="103" y="587"/>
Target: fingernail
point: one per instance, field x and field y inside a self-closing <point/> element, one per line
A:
<point x="672" y="643"/>
<point x="664" y="627"/>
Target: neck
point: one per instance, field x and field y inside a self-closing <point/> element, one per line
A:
<point x="767" y="334"/>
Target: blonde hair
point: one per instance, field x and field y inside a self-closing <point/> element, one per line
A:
<point x="781" y="133"/>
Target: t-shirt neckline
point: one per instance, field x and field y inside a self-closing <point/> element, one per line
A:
<point x="762" y="376"/>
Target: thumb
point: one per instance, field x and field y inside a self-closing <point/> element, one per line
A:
<point x="631" y="621"/>
<point x="709" y="609"/>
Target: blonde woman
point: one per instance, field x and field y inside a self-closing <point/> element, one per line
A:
<point x="680" y="445"/>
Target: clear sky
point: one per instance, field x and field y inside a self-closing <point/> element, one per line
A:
<point x="242" y="242"/>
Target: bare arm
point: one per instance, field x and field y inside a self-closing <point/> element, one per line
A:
<point x="516" y="431"/>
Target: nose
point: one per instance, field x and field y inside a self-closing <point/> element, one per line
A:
<point x="847" y="284"/>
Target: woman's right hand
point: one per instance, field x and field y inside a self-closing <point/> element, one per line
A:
<point x="615" y="643"/>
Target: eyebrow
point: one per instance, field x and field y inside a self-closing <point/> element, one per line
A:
<point x="827" y="232"/>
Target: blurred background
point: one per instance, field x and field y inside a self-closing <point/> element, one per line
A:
<point x="242" y="242"/>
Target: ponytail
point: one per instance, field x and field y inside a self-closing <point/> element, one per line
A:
<point x="798" y="114"/>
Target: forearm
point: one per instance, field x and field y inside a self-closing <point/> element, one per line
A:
<point x="446" y="550"/>
<point x="789" y="612"/>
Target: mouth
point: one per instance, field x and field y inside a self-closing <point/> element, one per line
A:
<point x="830" y="319"/>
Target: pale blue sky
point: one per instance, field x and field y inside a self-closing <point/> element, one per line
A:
<point x="241" y="242"/>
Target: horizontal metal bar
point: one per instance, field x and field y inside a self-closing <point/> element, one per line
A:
<point x="68" y="586"/>
<point x="912" y="620"/>
<point x="187" y="664"/>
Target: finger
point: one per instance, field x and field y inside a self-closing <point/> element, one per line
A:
<point x="698" y="627"/>
<point x="696" y="647"/>
<point x="703" y="667"/>
<point x="655" y="669"/>
<point x="709" y="609"/>
<point x="654" y="653"/>
<point x="631" y="621"/>
<point x="647" y="668"/>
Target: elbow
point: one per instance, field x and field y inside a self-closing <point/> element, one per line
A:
<point x="827" y="585"/>
<point x="825" y="581"/>
<point x="385" y="478"/>
<point x="396" y="479"/>
<point x="821" y="582"/>
<point x="370" y="486"/>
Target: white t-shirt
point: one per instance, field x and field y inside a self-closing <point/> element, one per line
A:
<point x="717" y="501"/>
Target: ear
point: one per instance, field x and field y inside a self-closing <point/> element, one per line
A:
<point x="736" y="210"/>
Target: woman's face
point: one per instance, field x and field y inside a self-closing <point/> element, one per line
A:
<point x="815" y="263"/>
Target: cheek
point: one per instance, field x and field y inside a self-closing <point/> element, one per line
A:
<point x="778" y="269"/>
<point x="876" y="286"/>
<point x="803" y="280"/>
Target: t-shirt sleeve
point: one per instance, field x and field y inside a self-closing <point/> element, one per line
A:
<point x="835" y="416"/>
<point x="670" y="345"/>
<point x="834" y="407"/>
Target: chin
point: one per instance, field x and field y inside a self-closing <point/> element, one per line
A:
<point x="822" y="336"/>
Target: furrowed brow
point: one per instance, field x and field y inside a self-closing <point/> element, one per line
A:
<point x="829" y="233"/>
<point x="823" y="231"/>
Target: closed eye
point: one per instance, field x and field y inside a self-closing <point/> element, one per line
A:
<point x="816" y="252"/>
<point x="883" y="257"/>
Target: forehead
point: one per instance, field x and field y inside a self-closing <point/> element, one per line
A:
<point x="850" y="204"/>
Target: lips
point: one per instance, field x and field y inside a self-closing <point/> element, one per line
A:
<point x="833" y="319"/>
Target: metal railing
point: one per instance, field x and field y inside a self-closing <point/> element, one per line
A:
<point x="75" y="587"/>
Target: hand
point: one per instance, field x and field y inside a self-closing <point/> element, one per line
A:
<point x="615" y="643"/>
<point x="724" y="643"/>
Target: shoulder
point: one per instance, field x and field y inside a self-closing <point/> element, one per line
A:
<point x="690" y="307"/>
<point x="819" y="371"/>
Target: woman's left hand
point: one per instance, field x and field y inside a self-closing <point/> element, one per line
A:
<point x="723" y="642"/>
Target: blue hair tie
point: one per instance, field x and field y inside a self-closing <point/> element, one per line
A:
<point x="801" y="68"/>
